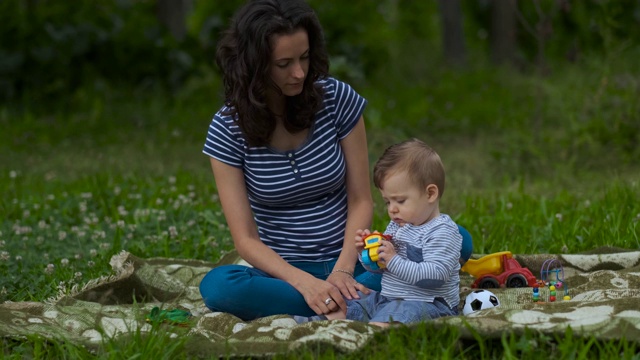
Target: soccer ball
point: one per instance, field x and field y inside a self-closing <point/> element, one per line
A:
<point x="479" y="300"/>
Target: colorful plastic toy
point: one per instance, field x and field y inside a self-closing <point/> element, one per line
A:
<point x="174" y="316"/>
<point x="370" y="252"/>
<point x="499" y="270"/>
<point x="550" y="267"/>
<point x="552" y="293"/>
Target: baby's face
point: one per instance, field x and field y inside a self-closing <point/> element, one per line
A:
<point x="407" y="203"/>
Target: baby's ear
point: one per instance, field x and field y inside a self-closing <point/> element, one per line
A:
<point x="432" y="192"/>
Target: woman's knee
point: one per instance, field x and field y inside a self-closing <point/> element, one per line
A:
<point x="215" y="287"/>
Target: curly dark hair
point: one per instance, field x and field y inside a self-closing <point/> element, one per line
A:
<point x="244" y="55"/>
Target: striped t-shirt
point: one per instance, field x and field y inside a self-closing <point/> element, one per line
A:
<point x="298" y="197"/>
<point x="428" y="263"/>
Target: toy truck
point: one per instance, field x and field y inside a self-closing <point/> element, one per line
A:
<point x="499" y="270"/>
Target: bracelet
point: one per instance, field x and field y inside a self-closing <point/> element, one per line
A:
<point x="342" y="271"/>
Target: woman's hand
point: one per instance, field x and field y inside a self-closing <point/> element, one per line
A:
<point x="347" y="285"/>
<point x="322" y="296"/>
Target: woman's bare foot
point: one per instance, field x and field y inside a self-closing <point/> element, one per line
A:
<point x="380" y="324"/>
<point x="336" y="315"/>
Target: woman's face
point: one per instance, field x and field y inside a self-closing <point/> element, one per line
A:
<point x="290" y="61"/>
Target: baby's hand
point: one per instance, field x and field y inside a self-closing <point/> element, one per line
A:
<point x="360" y="236"/>
<point x="386" y="251"/>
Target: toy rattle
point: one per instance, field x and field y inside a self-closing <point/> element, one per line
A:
<point x="370" y="253"/>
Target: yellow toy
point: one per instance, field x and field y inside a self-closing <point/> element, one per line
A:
<point x="488" y="264"/>
<point x="499" y="270"/>
<point x="370" y="253"/>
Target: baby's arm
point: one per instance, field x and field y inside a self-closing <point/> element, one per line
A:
<point x="431" y="266"/>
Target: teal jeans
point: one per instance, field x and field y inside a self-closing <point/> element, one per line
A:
<point x="249" y="293"/>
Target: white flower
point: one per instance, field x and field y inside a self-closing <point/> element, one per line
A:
<point x="49" y="269"/>
<point x="173" y="232"/>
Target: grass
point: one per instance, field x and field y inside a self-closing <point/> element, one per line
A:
<point x="534" y="166"/>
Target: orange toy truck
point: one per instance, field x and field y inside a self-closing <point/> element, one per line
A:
<point x="499" y="270"/>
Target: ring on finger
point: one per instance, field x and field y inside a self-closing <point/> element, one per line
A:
<point x="328" y="300"/>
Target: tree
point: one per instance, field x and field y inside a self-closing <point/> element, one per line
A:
<point x="173" y="15"/>
<point x="503" y="30"/>
<point x="453" y="43"/>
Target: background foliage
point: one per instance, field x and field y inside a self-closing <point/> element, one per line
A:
<point x="51" y="48"/>
<point x="103" y="113"/>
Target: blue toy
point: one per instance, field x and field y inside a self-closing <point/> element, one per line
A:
<point x="370" y="253"/>
<point x="467" y="245"/>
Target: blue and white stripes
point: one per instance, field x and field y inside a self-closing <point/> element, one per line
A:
<point x="427" y="265"/>
<point x="298" y="197"/>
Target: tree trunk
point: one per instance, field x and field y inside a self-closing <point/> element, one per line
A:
<point x="453" y="43"/>
<point x="503" y="31"/>
<point x="173" y="15"/>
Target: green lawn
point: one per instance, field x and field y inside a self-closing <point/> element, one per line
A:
<point x="534" y="165"/>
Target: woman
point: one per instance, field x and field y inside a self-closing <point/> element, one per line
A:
<point x="289" y="156"/>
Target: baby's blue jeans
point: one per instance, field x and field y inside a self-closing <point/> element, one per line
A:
<point x="378" y="308"/>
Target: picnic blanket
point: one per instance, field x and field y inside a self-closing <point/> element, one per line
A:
<point x="604" y="287"/>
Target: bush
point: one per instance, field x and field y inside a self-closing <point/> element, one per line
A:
<point x="49" y="48"/>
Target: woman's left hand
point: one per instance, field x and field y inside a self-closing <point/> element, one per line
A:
<point x="347" y="285"/>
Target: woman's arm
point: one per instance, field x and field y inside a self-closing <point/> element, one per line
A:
<point x="359" y="207"/>
<point x="235" y="205"/>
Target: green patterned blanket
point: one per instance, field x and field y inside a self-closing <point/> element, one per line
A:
<point x="604" y="287"/>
